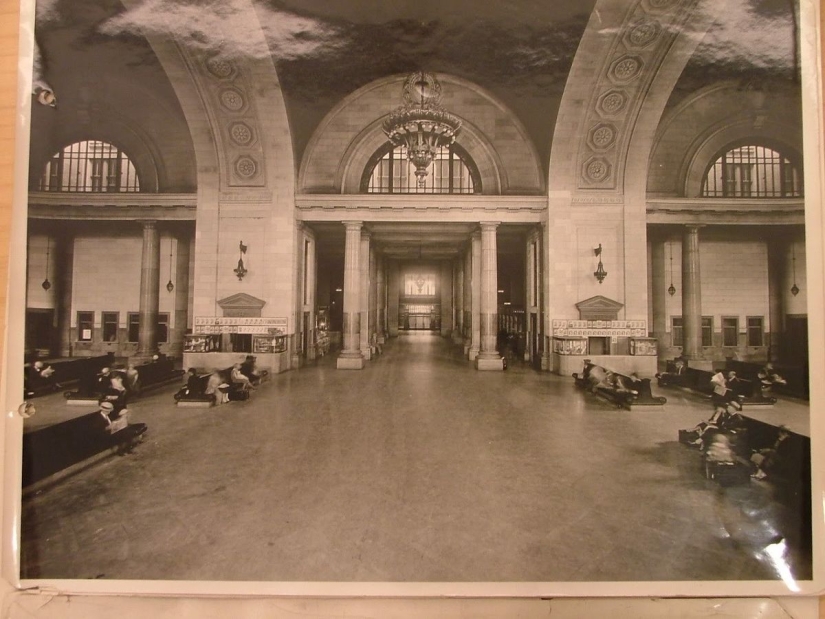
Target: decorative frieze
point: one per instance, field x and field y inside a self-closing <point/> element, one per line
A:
<point x="636" y="54"/>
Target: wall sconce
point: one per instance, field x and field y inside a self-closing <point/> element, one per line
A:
<point x="46" y="283"/>
<point x="241" y="270"/>
<point x="169" y="285"/>
<point x="794" y="288"/>
<point x="599" y="273"/>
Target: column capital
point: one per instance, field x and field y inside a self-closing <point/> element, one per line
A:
<point x="353" y="225"/>
<point x="366" y="235"/>
<point x="694" y="227"/>
<point x="488" y="225"/>
<point x="148" y="223"/>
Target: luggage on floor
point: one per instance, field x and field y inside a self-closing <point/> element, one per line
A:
<point x="238" y="395"/>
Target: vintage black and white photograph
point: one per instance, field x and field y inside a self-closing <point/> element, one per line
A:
<point x="418" y="292"/>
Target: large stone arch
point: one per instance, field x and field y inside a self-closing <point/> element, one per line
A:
<point x="350" y="134"/>
<point x="718" y="116"/>
<point x="235" y="110"/>
<point x="628" y="62"/>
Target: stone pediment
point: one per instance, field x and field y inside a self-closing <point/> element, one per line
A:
<point x="599" y="308"/>
<point x="241" y="305"/>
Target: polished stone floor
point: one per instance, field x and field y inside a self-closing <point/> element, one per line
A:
<point x="417" y="468"/>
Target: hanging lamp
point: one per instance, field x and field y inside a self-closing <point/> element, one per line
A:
<point x="46" y="283"/>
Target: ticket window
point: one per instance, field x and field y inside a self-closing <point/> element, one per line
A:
<point x="598" y="346"/>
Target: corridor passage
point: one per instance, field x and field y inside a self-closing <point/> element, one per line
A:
<point x="417" y="468"/>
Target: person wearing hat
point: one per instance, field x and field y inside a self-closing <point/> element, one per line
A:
<point x="106" y="411"/>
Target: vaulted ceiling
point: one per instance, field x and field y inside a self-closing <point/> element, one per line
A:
<point x="95" y="55"/>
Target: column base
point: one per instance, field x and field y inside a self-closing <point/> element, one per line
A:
<point x="367" y="353"/>
<point x="490" y="364"/>
<point x="350" y="361"/>
<point x="472" y="353"/>
<point x="546" y="363"/>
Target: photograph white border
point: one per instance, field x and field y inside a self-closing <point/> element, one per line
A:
<point x="12" y="379"/>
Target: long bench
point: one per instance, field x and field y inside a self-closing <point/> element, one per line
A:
<point x="203" y="400"/>
<point x="621" y="398"/>
<point x="66" y="372"/>
<point x="73" y="443"/>
<point x="151" y="375"/>
<point x="797" y="382"/>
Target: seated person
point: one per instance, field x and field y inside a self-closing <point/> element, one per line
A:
<point x="677" y="377"/>
<point x="104" y="380"/>
<point x="239" y="379"/>
<point x="38" y="376"/>
<point x="737" y="385"/>
<point x="722" y="394"/>
<point x="110" y="419"/>
<point x="132" y="379"/>
<point x="597" y="377"/>
<point x="194" y="386"/>
<point x="768" y="378"/>
<point x="217" y="388"/>
<point x="248" y="369"/>
<point x="116" y="392"/>
<point x="771" y="459"/>
<point x="618" y="384"/>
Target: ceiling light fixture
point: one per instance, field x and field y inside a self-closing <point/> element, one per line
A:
<point x="421" y="124"/>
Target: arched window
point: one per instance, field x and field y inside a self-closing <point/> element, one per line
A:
<point x="752" y="171"/>
<point x="90" y="165"/>
<point x="452" y="171"/>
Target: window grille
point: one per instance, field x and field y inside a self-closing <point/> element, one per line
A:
<point x="451" y="171"/>
<point x="90" y="166"/>
<point x="752" y="171"/>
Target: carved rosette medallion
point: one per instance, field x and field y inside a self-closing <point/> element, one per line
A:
<point x="612" y="102"/>
<point x="643" y="33"/>
<point x="241" y="134"/>
<point x="220" y="68"/>
<point x="232" y="100"/>
<point x="602" y="136"/>
<point x="639" y="46"/>
<point x="626" y="68"/>
<point x="660" y="5"/>
<point x="246" y="167"/>
<point x="597" y="170"/>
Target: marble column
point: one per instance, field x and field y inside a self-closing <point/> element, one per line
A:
<point x="373" y="295"/>
<point x="64" y="278"/>
<point x="777" y="251"/>
<point x="149" y="291"/>
<point x="458" y="293"/>
<point x="659" y="283"/>
<point x="445" y="289"/>
<point x="475" y="303"/>
<point x="691" y="294"/>
<point x="350" y="357"/>
<point x="468" y="298"/>
<point x="365" y="287"/>
<point x="181" y="291"/>
<point x="393" y="286"/>
<point x="544" y="304"/>
<point x="488" y="357"/>
<point x="381" y="276"/>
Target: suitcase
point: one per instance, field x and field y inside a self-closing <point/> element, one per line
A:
<point x="238" y="396"/>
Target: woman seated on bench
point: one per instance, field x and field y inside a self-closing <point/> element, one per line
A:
<point x="237" y="377"/>
<point x="217" y="388"/>
<point x="768" y="378"/>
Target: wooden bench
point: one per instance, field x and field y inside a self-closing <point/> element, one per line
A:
<point x="199" y="399"/>
<point x="621" y="398"/>
<point x="750" y="393"/>
<point x="67" y="372"/>
<point x="73" y="443"/>
<point x="797" y="384"/>
<point x="151" y="375"/>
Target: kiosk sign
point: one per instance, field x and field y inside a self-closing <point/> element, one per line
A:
<point x="208" y="325"/>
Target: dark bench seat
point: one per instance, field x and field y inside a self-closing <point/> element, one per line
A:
<point x="66" y="372"/>
<point x="624" y="399"/>
<point x="151" y="375"/>
<point x="54" y="449"/>
<point x="796" y="377"/>
<point x="199" y="399"/>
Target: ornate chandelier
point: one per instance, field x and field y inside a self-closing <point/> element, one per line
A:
<point x="421" y="124"/>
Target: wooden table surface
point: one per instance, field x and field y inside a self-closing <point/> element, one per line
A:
<point x="9" y="39"/>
